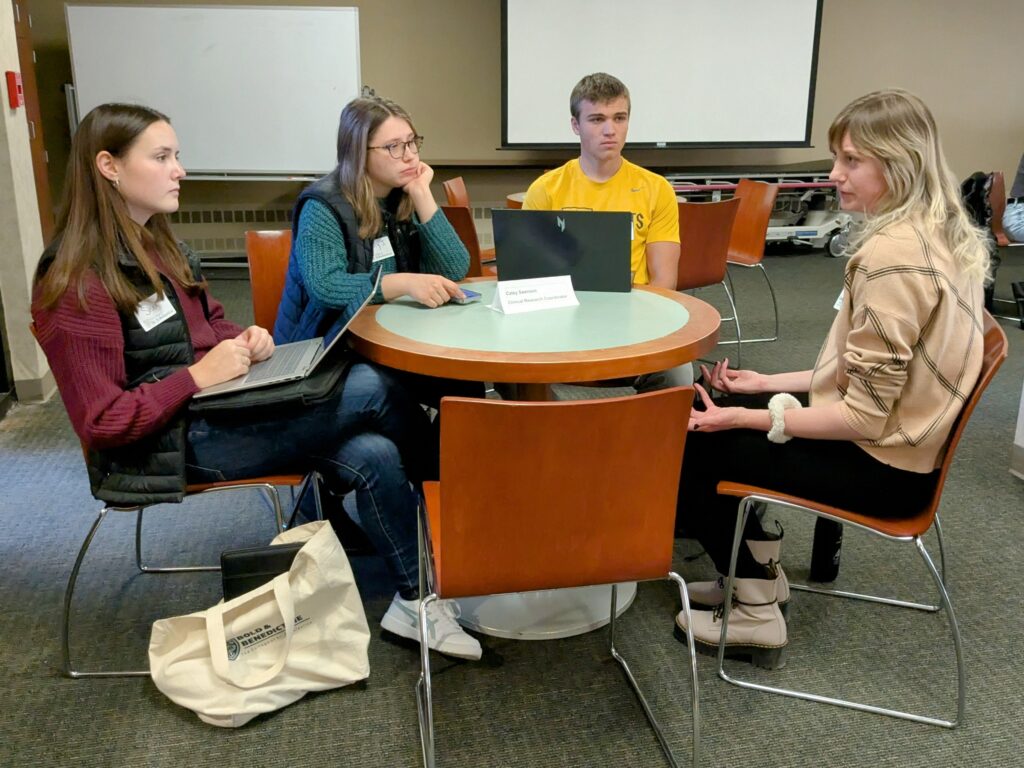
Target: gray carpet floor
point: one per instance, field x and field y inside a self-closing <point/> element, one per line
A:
<point x="552" y="703"/>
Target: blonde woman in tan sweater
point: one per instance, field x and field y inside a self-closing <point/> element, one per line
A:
<point x="901" y="357"/>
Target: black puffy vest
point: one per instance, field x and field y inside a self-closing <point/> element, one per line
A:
<point x="152" y="469"/>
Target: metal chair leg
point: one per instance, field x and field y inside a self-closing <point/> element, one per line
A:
<point x="268" y="489"/>
<point x="424" y="693"/>
<point x="669" y="755"/>
<point x="736" y="321"/>
<point x="312" y="480"/>
<point x="744" y="507"/>
<point x="272" y="496"/>
<point x="927" y="607"/>
<point x="65" y="629"/>
<point x="775" y="308"/>
<point x="692" y="649"/>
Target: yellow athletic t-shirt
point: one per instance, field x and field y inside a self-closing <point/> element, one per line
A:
<point x="648" y="196"/>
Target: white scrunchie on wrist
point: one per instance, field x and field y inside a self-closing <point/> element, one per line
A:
<point x="778" y="405"/>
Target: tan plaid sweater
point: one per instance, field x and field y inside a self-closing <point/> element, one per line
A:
<point x="905" y="349"/>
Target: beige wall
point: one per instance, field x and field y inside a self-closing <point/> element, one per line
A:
<point x="441" y="60"/>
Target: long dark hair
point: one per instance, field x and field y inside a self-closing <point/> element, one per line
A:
<point x="359" y="119"/>
<point x="94" y="225"/>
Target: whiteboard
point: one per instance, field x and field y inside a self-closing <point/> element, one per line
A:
<point x="699" y="72"/>
<point x="249" y="90"/>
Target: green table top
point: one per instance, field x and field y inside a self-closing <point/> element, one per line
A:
<point x="601" y="321"/>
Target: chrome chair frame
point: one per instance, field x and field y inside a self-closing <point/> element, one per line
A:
<point x="269" y="490"/>
<point x="775" y="306"/>
<point x="424" y="690"/>
<point x="745" y="506"/>
<point x="734" y="318"/>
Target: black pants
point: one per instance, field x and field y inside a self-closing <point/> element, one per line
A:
<point x="834" y="472"/>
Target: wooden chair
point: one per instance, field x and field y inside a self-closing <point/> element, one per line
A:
<point x="997" y="202"/>
<point x="268" y="252"/>
<point x="462" y="222"/>
<point x="267" y="485"/>
<point x="554" y="509"/>
<point x="455" y="192"/>
<point x="704" y="234"/>
<point x="906" y="529"/>
<point x="746" y="246"/>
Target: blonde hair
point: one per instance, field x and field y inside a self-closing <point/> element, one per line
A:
<point x="897" y="128"/>
<point x="359" y="120"/>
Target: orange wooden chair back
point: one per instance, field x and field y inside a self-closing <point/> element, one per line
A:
<point x="268" y="252"/>
<point x="455" y="191"/>
<point x="704" y="232"/>
<point x="757" y="201"/>
<point x="996" y="350"/>
<point x="579" y="492"/>
<point x="461" y="220"/>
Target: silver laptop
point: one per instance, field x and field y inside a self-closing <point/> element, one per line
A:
<point x="289" y="362"/>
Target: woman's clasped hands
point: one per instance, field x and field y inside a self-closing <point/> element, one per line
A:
<point x="232" y="358"/>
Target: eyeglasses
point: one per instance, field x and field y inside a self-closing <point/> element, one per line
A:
<point x="397" y="148"/>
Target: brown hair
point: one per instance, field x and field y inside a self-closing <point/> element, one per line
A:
<point x="598" y="88"/>
<point x="897" y="128"/>
<point x="94" y="226"/>
<point x="359" y="119"/>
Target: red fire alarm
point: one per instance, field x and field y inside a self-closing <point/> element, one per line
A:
<point x="15" y="90"/>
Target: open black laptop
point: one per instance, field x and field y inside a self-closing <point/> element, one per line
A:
<point x="292" y="361"/>
<point x="593" y="247"/>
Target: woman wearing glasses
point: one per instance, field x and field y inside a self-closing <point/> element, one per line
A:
<point x="374" y="208"/>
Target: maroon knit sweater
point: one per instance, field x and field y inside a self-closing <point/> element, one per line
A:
<point x="85" y="350"/>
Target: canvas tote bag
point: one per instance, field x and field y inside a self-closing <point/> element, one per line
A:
<point x="303" y="631"/>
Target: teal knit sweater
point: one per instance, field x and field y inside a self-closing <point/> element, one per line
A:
<point x="323" y="259"/>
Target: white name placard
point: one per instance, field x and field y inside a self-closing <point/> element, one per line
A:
<point x="516" y="296"/>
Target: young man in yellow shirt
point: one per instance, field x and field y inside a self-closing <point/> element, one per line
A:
<point x="601" y="179"/>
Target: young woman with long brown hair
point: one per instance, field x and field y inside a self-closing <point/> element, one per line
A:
<point x="131" y="332"/>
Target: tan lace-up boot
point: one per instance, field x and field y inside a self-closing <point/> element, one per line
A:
<point x="709" y="594"/>
<point x="756" y="627"/>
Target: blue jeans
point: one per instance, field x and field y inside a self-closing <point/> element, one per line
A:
<point x="371" y="437"/>
<point x="1013" y="222"/>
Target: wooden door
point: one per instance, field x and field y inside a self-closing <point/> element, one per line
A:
<point x="26" y="59"/>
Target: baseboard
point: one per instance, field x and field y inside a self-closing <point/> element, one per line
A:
<point x="36" y="390"/>
<point x="1017" y="461"/>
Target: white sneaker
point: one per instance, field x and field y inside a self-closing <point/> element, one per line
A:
<point x="443" y="632"/>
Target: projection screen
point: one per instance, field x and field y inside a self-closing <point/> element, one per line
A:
<point x="701" y="73"/>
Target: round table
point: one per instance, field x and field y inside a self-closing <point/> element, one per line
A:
<point x="608" y="336"/>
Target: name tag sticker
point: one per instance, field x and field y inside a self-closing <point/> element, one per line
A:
<point x="382" y="249"/>
<point x="839" y="302"/>
<point x="152" y="311"/>
<point x="513" y="297"/>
